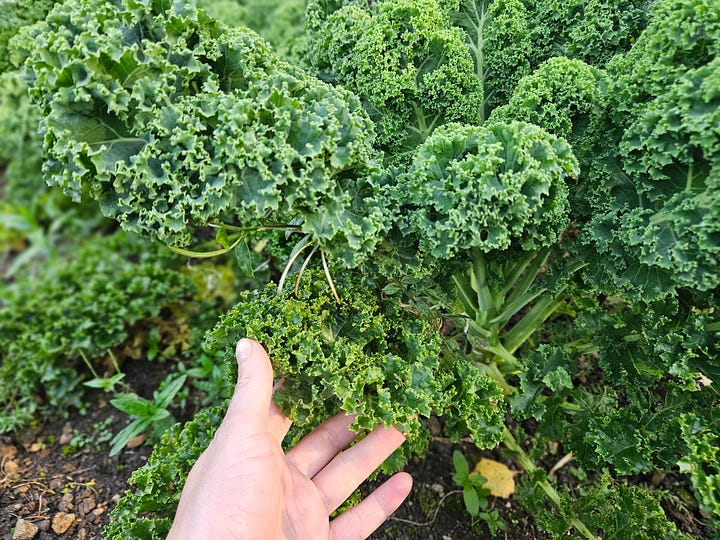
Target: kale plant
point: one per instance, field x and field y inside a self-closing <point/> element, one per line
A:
<point x="655" y="215"/>
<point x="189" y="124"/>
<point x="506" y="167"/>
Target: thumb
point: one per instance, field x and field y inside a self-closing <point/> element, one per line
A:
<point x="250" y="404"/>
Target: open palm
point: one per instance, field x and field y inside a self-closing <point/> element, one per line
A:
<point x="245" y="486"/>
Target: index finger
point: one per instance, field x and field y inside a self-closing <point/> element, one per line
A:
<point x="350" y="468"/>
<point x="318" y="448"/>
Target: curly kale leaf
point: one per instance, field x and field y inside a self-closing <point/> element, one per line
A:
<point x="280" y="22"/>
<point x="559" y="96"/>
<point x="14" y="15"/>
<point x="173" y="121"/>
<point x="405" y="60"/>
<point x="489" y="188"/>
<point x="609" y="509"/>
<point x="654" y="363"/>
<point x="366" y="356"/>
<point x="656" y="214"/>
<point x="562" y="96"/>
<point x="589" y="30"/>
<point x="701" y="462"/>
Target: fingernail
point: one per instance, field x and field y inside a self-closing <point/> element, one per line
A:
<point x="244" y="349"/>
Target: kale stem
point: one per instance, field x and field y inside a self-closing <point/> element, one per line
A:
<point x="532" y="320"/>
<point x="486" y="302"/>
<point x="465" y="295"/>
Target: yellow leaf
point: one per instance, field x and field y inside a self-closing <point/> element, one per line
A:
<point x="500" y="479"/>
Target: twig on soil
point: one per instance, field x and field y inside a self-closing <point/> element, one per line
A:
<point x="567" y="458"/>
<point x="435" y="514"/>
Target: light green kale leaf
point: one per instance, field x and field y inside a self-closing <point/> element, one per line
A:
<point x="487" y="188"/>
<point x="365" y="356"/>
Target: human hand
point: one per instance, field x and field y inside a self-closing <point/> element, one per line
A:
<point x="243" y="486"/>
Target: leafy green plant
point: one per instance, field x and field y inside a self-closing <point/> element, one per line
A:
<point x="73" y="309"/>
<point x="470" y="178"/>
<point x="475" y="495"/>
<point x="93" y="440"/>
<point x="106" y="384"/>
<point x="145" y="413"/>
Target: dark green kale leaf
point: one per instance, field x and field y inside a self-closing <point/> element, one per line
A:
<point x="589" y="30"/>
<point x="655" y="215"/>
<point x="701" y="462"/>
<point x="366" y="356"/>
<point x="173" y="121"/>
<point x="609" y="509"/>
<point x="405" y="59"/>
<point x="489" y="188"/>
<point x="14" y="16"/>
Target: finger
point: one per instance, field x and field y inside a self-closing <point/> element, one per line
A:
<point x="318" y="448"/>
<point x="250" y="404"/>
<point x="350" y="468"/>
<point x="361" y="521"/>
<point x="277" y="424"/>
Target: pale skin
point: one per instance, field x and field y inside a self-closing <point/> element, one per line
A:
<point x="245" y="487"/>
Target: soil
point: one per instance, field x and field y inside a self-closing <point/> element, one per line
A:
<point x="57" y="479"/>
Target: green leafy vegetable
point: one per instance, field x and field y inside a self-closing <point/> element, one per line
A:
<point x="657" y="168"/>
<point x="364" y="356"/>
<point x="173" y="122"/>
<point x="84" y="306"/>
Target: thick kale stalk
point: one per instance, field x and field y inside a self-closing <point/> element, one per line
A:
<point x="488" y="202"/>
<point x="173" y="122"/>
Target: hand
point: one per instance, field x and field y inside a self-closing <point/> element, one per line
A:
<point x="245" y="487"/>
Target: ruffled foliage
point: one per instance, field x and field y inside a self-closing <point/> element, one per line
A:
<point x="85" y="306"/>
<point x="486" y="188"/>
<point x="365" y="356"/>
<point x="656" y="212"/>
<point x="173" y="121"/>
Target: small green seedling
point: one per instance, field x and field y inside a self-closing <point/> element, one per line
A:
<point x="475" y="495"/>
<point x="107" y="384"/>
<point x="146" y="413"/>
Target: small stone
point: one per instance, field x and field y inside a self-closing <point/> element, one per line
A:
<point x="82" y="534"/>
<point x="24" y="530"/>
<point x="99" y="511"/>
<point x="86" y="505"/>
<point x="66" y="502"/>
<point x="62" y="522"/>
<point x="43" y="525"/>
<point x="66" y="436"/>
<point x="56" y="483"/>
